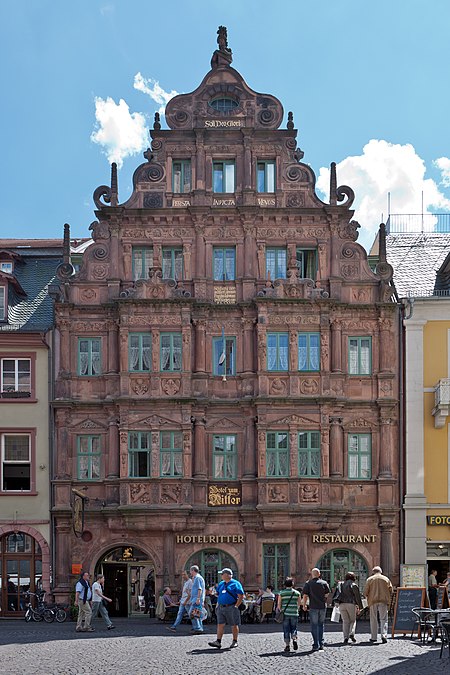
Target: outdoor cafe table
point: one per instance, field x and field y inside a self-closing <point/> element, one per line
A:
<point x="437" y="614"/>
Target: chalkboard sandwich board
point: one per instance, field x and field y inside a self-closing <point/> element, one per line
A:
<point x="442" y="597"/>
<point x="407" y="598"/>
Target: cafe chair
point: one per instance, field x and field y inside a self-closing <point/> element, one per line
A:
<point x="423" y="623"/>
<point x="444" y="627"/>
<point x="266" y="608"/>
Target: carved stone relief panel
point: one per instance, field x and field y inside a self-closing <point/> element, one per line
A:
<point x="277" y="494"/>
<point x="309" y="493"/>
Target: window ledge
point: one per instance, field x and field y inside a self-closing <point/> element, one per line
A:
<point x="16" y="493"/>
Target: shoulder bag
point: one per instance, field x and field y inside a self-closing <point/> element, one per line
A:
<point x="242" y="607"/>
<point x="279" y="618"/>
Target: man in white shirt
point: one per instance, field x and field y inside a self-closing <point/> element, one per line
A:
<point x="184" y="601"/>
<point x="97" y="601"/>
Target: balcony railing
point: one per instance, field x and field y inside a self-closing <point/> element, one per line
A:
<point x="441" y="402"/>
<point x="400" y="223"/>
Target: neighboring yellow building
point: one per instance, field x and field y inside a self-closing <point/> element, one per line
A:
<point x="26" y="319"/>
<point x="421" y="263"/>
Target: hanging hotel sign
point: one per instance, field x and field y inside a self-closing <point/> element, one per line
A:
<point x="223" y="123"/>
<point x="78" y="501"/>
<point x="224" y="495"/>
<point x="344" y="538"/>
<point x="210" y="539"/>
<point x="438" y="520"/>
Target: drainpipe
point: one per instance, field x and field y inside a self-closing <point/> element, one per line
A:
<point x="406" y="306"/>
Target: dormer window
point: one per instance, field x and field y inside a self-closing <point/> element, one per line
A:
<point x="6" y="267"/>
<point x="224" y="104"/>
<point x="2" y="303"/>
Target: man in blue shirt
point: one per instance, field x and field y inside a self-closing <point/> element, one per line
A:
<point x="230" y="595"/>
<point x="197" y="611"/>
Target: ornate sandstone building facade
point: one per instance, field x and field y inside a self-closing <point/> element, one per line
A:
<point x="227" y="379"/>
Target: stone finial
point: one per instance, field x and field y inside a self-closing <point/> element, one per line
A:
<point x="290" y="122"/>
<point x="333" y="184"/>
<point x="66" y="243"/>
<point x="114" y="185"/>
<point x="382" y="244"/>
<point x="157" y="122"/>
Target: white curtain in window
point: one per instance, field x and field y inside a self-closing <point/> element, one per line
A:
<point x="218" y="265"/>
<point x="165" y="354"/>
<point x="96" y="369"/>
<point x="177" y="352"/>
<point x="178" y="265"/>
<point x="283" y="463"/>
<point x="353" y="357"/>
<point x="146" y="358"/>
<point x="165" y="463"/>
<point x="365" y="356"/>
<point x="271" y="464"/>
<point x="219" y="462"/>
<point x="229" y="265"/>
<point x="283" y="353"/>
<point x="302" y="353"/>
<point x="134" y="357"/>
<point x="271" y="355"/>
<point x="314" y="352"/>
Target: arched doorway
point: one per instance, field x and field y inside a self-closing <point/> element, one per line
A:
<point x="127" y="570"/>
<point x="21" y="571"/>
<point x="210" y="561"/>
<point x="335" y="564"/>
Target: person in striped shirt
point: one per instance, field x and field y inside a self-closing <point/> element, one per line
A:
<point x="289" y="602"/>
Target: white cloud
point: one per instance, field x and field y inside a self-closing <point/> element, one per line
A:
<point x="153" y="89"/>
<point x="443" y="164"/>
<point x="387" y="167"/>
<point x="119" y="132"/>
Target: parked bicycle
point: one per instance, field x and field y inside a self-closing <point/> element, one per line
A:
<point x="42" y="612"/>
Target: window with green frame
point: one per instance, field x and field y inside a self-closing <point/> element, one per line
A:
<point x="360" y="456"/>
<point x="224" y="360"/>
<point x="265" y="175"/>
<point x="309" y="352"/>
<point x="181" y="176"/>
<point x="172" y="263"/>
<point x="224" y="457"/>
<point x="170" y="356"/>
<point x="309" y="453"/>
<point x="276" y="262"/>
<point x="360" y="355"/>
<point x="142" y="261"/>
<point x="88" y="457"/>
<point x="89" y="356"/>
<point x="171" y="453"/>
<point x="139" y="454"/>
<point x="224" y="263"/>
<point x="277" y="351"/>
<point x="139" y="352"/>
<point x="276" y="559"/>
<point x="277" y="453"/>
<point x="306" y="259"/>
<point x="210" y="562"/>
<point x="224" y="176"/>
<point x="335" y="564"/>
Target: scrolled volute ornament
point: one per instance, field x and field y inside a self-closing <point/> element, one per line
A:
<point x="385" y="271"/>
<point x="295" y="173"/>
<point x="102" y="191"/>
<point x="344" y="191"/>
<point x="100" y="252"/>
<point x="64" y="271"/>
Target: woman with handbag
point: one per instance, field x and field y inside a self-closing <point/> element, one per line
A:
<point x="350" y="604"/>
<point x="287" y="612"/>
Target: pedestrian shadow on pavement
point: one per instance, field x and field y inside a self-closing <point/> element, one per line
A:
<point x="197" y="652"/>
<point x="280" y="652"/>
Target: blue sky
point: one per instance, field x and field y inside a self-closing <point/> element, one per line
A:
<point x="367" y="82"/>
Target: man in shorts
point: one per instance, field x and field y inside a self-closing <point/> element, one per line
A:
<point x="230" y="595"/>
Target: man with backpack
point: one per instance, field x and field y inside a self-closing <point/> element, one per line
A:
<point x="230" y="596"/>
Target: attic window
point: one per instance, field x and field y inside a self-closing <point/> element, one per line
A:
<point x="6" y="267"/>
<point x="223" y="104"/>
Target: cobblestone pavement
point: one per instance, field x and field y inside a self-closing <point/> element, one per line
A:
<point x="143" y="646"/>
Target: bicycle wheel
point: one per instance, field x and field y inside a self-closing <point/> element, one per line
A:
<point x="28" y="616"/>
<point x="36" y="615"/>
<point x="61" y="615"/>
<point x="48" y="615"/>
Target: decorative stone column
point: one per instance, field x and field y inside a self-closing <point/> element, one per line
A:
<point x="262" y="348"/>
<point x="113" y="449"/>
<point x="386" y="338"/>
<point x="248" y="343"/>
<point x="325" y="452"/>
<point x="123" y="352"/>
<point x="200" y="160"/>
<point x="248" y="250"/>
<point x="200" y="345"/>
<point x="336" y="346"/>
<point x="200" y="250"/>
<point x="249" y="452"/>
<point x="386" y="548"/>
<point x="302" y="560"/>
<point x="200" y="465"/>
<point x="336" y="451"/>
<point x="293" y="351"/>
<point x="63" y="445"/>
<point x="168" y="557"/>
<point x="64" y="329"/>
<point x="113" y="355"/>
<point x="251" y="566"/>
<point x="247" y="182"/>
<point x="385" y="448"/>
